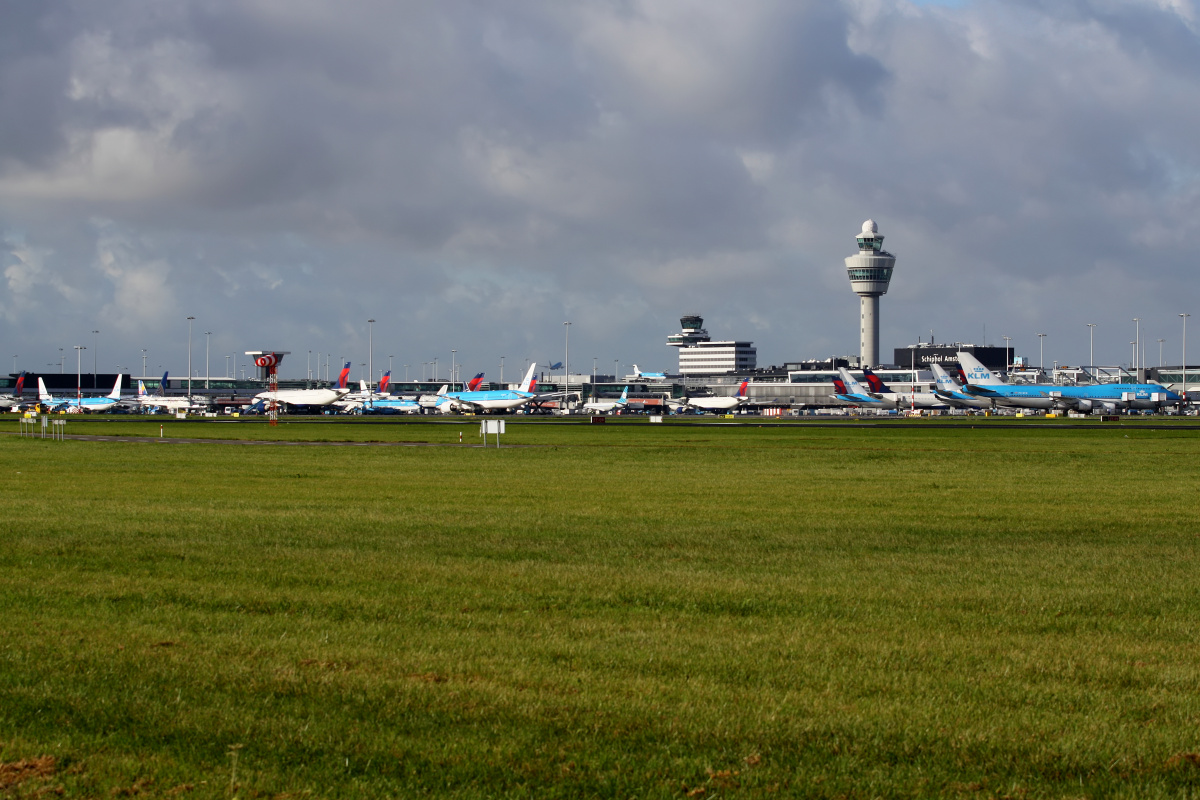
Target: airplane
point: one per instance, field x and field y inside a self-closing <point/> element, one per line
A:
<point x="489" y="400"/>
<point x="391" y="405"/>
<point x="714" y="404"/>
<point x="604" y="406"/>
<point x="79" y="405"/>
<point x="308" y="397"/>
<point x="160" y="400"/>
<point x="912" y="400"/>
<point x="14" y="399"/>
<point x="1112" y="396"/>
<point x="849" y="390"/>
<point x="638" y="373"/>
<point x="952" y="393"/>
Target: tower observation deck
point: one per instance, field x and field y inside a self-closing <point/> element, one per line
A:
<point x="870" y="272"/>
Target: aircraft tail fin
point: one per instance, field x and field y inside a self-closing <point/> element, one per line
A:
<point x="636" y="371"/>
<point x="976" y="374"/>
<point x="741" y="392"/>
<point x="344" y="376"/>
<point x="115" y="394"/>
<point x="474" y="384"/>
<point x="852" y="384"/>
<point x="442" y="391"/>
<point x="141" y="389"/>
<point x="43" y="395"/>
<point x="383" y="382"/>
<point x="624" y="395"/>
<point x="944" y="382"/>
<point x="20" y="387"/>
<point x="875" y="382"/>
<point x="839" y="386"/>
<point x="162" y="386"/>
<point x="362" y="386"/>
<point x="532" y="385"/>
<point x="527" y="384"/>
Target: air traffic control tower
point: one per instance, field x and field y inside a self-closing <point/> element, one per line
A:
<point x="870" y="273"/>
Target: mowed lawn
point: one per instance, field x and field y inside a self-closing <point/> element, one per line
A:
<point x="618" y="611"/>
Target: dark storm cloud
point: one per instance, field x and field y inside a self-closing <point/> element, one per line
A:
<point x="473" y="173"/>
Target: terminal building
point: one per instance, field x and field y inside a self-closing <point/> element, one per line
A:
<point x="699" y="355"/>
<point x="945" y="355"/>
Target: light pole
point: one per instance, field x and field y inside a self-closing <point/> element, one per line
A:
<point x="1041" y="338"/>
<point x="435" y="369"/>
<point x="593" y="373"/>
<point x="1160" y="342"/>
<point x="1007" y="354"/>
<point x="1184" y="318"/>
<point x="502" y="370"/>
<point x="453" y="364"/>
<point x="406" y="373"/>
<point x="189" y="319"/>
<point x="1137" y="347"/>
<point x="78" y="370"/>
<point x="615" y="370"/>
<point x="566" y="362"/>
<point x="227" y="368"/>
<point x="1091" y="345"/>
<point x="95" y="354"/>
<point x="308" y="365"/>
<point x="390" y="364"/>
<point x="15" y="362"/>
<point x="370" y="351"/>
<point x="143" y="362"/>
<point x="206" y="372"/>
<point x="62" y="362"/>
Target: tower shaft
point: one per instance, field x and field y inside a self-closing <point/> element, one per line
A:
<point x="868" y="335"/>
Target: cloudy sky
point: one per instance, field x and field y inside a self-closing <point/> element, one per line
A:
<point x="471" y="174"/>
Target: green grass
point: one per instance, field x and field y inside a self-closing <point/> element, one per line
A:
<point x="620" y="611"/>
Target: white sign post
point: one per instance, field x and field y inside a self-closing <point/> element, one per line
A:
<point x="495" y="426"/>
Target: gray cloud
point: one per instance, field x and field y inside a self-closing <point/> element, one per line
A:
<point x="472" y="174"/>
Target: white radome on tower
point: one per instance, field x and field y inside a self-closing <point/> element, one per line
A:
<point x="870" y="227"/>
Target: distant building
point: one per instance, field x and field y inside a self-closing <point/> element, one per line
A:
<point x="699" y="355"/>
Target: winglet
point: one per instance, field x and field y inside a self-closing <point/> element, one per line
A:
<point x="527" y="384"/>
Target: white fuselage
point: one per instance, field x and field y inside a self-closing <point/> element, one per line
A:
<point x="303" y="397"/>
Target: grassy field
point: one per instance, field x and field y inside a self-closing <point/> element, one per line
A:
<point x="617" y="611"/>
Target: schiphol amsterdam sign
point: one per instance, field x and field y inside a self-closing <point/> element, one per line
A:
<point x="991" y="357"/>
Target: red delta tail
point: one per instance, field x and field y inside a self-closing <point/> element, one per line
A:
<point x="383" y="382"/>
<point x="344" y="377"/>
<point x="742" y="390"/>
<point x="533" y="384"/>
<point x="874" y="381"/>
<point x="839" y="386"/>
<point x="474" y="384"/>
<point x="20" y="387"/>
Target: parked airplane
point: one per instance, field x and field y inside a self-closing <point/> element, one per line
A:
<point x="489" y="400"/>
<point x="160" y="400"/>
<point x="849" y="390"/>
<point x="637" y="372"/>
<point x="712" y="403"/>
<point x="1113" y="396"/>
<point x="308" y="397"/>
<point x="14" y="399"/>
<point x="911" y="400"/>
<point x="953" y="394"/>
<point x="391" y="405"/>
<point x="77" y="405"/>
<point x="605" y="406"/>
